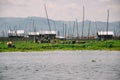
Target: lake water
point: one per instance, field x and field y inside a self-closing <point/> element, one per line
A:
<point x="60" y="65"/>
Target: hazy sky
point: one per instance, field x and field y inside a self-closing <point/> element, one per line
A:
<point x="61" y="9"/>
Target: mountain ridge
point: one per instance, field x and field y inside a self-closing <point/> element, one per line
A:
<point x="40" y="23"/>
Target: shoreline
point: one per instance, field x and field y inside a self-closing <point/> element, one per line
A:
<point x="30" y="46"/>
<point x="57" y="51"/>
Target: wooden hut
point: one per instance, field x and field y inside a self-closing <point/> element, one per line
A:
<point x="33" y="34"/>
<point x="49" y="34"/>
<point x="16" y="33"/>
<point x="44" y="36"/>
<point x="105" y="35"/>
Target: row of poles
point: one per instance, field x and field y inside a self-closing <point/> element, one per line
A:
<point x="75" y="22"/>
<point x="82" y="35"/>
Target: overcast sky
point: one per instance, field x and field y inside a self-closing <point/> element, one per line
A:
<point x="95" y="10"/>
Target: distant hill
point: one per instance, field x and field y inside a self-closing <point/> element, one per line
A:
<point x="38" y="23"/>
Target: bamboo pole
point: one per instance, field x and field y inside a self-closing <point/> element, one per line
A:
<point x="89" y="29"/>
<point x="83" y="24"/>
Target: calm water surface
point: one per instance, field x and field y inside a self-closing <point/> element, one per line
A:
<point x="60" y="65"/>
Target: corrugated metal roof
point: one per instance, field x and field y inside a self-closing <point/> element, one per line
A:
<point x="20" y="31"/>
<point x="47" y="32"/>
<point x="33" y="33"/>
<point x="16" y="31"/>
<point x="105" y="33"/>
<point x="42" y="32"/>
<point x="61" y="37"/>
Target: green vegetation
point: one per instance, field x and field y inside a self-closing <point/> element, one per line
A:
<point x="61" y="45"/>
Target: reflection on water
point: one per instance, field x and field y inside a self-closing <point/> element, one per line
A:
<point x="60" y="65"/>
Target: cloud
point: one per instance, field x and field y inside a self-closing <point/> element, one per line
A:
<point x="115" y="2"/>
<point x="4" y="1"/>
<point x="61" y="9"/>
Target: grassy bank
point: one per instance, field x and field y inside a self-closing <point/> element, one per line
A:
<point x="87" y="45"/>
